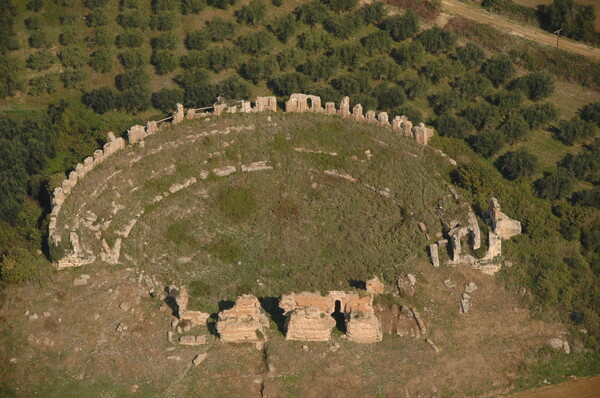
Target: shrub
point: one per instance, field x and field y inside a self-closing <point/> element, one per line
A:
<point x="132" y="59"/>
<point x="314" y="40"/>
<point x="506" y="102"/>
<point x="38" y="39"/>
<point x="221" y="58"/>
<point x="218" y="29"/>
<point x="73" y="57"/>
<point x="132" y="19"/>
<point x="43" y="84"/>
<point x="312" y="13"/>
<point x="401" y="27"/>
<point x="128" y="4"/>
<point x="194" y="59"/>
<point x="41" y="60"/>
<point x="68" y="36"/>
<point x="436" y="39"/>
<point x="163" y="21"/>
<point x="165" y="41"/>
<point x="343" y="26"/>
<point x="472" y="85"/>
<point x="20" y="264"/>
<point x="555" y="186"/>
<point x="410" y="112"/>
<point x="255" y="42"/>
<point x="73" y="78"/>
<point x="414" y="86"/>
<point x="535" y="86"/>
<point x="445" y="101"/>
<point x="348" y="54"/>
<point x="498" y="69"/>
<point x="591" y="113"/>
<point x="589" y="198"/>
<point x="389" y="96"/>
<point x="131" y="79"/>
<point x="131" y="39"/>
<point x="222" y="4"/>
<point x="321" y="67"/>
<point x="9" y="80"/>
<point x="482" y="115"/>
<point x="199" y="94"/>
<point x="284" y="27"/>
<point x="437" y="69"/>
<point x="379" y="42"/>
<point x="93" y="4"/>
<point x="164" y="61"/>
<point x="514" y="128"/>
<point x="102" y="60"/>
<point x="517" y="164"/>
<point x="540" y="115"/>
<point x="259" y="69"/>
<point x="34" y="22"/>
<point x="409" y="54"/>
<point x="253" y="13"/>
<point x="574" y="130"/>
<point x="470" y="55"/>
<point x="341" y="5"/>
<point x="352" y="83"/>
<point x="366" y="100"/>
<point x="288" y="83"/>
<point x="382" y="68"/>
<point x="166" y="98"/>
<point x="373" y="13"/>
<point x="197" y="40"/>
<point x="165" y="5"/>
<point x="452" y="126"/>
<point x="233" y="88"/>
<point x="192" y="6"/>
<point x="487" y="143"/>
<point x="101" y="37"/>
<point x="35" y="5"/>
<point x="96" y="19"/>
<point x="135" y="99"/>
<point x="290" y="58"/>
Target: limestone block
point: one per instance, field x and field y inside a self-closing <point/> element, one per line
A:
<point x="108" y="149"/>
<point x="151" y="128"/>
<point x="370" y="117"/>
<point x="456" y="234"/>
<point x="375" y="286"/>
<point x="232" y="109"/>
<point x="191" y="113"/>
<point x="88" y="164"/>
<point x="178" y="114"/>
<point x="58" y="196"/>
<point x="110" y="136"/>
<point x="80" y="170"/>
<point x="422" y="134"/>
<point x="357" y="113"/>
<point x="309" y="324"/>
<point x="98" y="157"/>
<point x="502" y="224"/>
<point x="120" y="144"/>
<point x="66" y="186"/>
<point x="218" y="109"/>
<point x="246" y="106"/>
<point x="494" y="245"/>
<point x="396" y="128"/>
<point x="382" y="118"/>
<point x="330" y="108"/>
<point x="266" y="104"/>
<point x="474" y="229"/>
<point x="434" y="254"/>
<point x="224" y="171"/>
<point x="363" y="328"/>
<point x="73" y="178"/>
<point x="245" y="322"/>
<point x="196" y="318"/>
<point x="345" y="107"/>
<point x="136" y="134"/>
<point x="406" y="126"/>
<point x="315" y="105"/>
<point x="257" y="166"/>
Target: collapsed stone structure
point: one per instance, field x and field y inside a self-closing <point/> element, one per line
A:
<point x="180" y="298"/>
<point x="246" y="322"/>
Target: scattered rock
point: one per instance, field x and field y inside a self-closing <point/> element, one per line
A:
<point x="449" y="284"/>
<point x="174" y="358"/>
<point x="412" y="279"/>
<point x="271" y="367"/>
<point x="464" y="306"/>
<point x="121" y="327"/>
<point x="435" y="348"/>
<point x="125" y="306"/>
<point x="81" y="280"/>
<point x="470" y="287"/>
<point x="557" y="344"/>
<point x="192" y="340"/>
<point x="33" y="317"/>
<point x="375" y="286"/>
<point x="46" y="314"/>
<point x="198" y="359"/>
<point x="170" y="336"/>
<point x="304" y="348"/>
<point x="135" y="387"/>
<point x="405" y="288"/>
<point x="174" y="323"/>
<point x="14" y="360"/>
<point x="566" y="347"/>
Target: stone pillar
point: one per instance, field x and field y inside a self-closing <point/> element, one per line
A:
<point x="291" y="105"/>
<point x="151" y="128"/>
<point x="406" y="126"/>
<point x="136" y="134"/>
<point x="110" y="136"/>
<point x="73" y="178"/>
<point x="66" y="186"/>
<point x="178" y="114"/>
<point x="383" y="119"/>
<point x="232" y="109"/>
<point x="422" y="134"/>
<point x="191" y="113"/>
<point x="246" y="106"/>
<point x="396" y="128"/>
<point x="98" y="156"/>
<point x="88" y="164"/>
<point x="330" y="108"/>
<point x="370" y="117"/>
<point x="345" y="107"/>
<point x="357" y="113"/>
<point x="219" y="109"/>
<point x="80" y="170"/>
<point x="316" y="106"/>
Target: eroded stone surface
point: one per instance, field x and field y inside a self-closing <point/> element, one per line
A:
<point x="245" y="322"/>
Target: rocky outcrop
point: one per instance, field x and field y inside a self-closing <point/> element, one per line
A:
<point x="245" y="322"/>
<point x="375" y="286"/>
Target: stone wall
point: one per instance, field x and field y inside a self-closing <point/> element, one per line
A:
<point x="246" y="322"/>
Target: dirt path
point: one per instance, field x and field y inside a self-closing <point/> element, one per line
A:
<point x="527" y="32"/>
<point x="582" y="388"/>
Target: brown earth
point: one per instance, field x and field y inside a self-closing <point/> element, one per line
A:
<point x="525" y="31"/>
<point x="581" y="388"/>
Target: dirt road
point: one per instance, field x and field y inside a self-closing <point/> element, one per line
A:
<point x="582" y="388"/>
<point x="528" y="32"/>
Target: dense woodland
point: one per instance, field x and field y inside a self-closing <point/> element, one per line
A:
<point x="88" y="68"/>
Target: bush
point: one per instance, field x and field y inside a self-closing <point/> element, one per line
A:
<point x="9" y="80"/>
<point x="410" y="112"/>
<point x="222" y="4"/>
<point x="166" y="99"/>
<point x="290" y="58"/>
<point x="401" y="27"/>
<point x="437" y="69"/>
<point x="101" y="37"/>
<point x="96" y="19"/>
<point x="498" y="69"/>
<point x="233" y="88"/>
<point x="436" y="39"/>
<point x="373" y="13"/>
<point x="343" y="26"/>
<point x="409" y="54"/>
<point x="540" y="115"/>
<point x="388" y="96"/>
<point x="132" y="59"/>
<point x="199" y="93"/>
<point x="259" y="69"/>
<point x="366" y="100"/>
<point x="135" y="99"/>
<point x="555" y="186"/>
<point x="256" y="42"/>
<point x="348" y="54"/>
<point x="20" y="264"/>
<point x="379" y="42"/>
<point x="414" y="86"/>
<point x="253" y="13"/>
<point x="165" y="5"/>
<point x="487" y="143"/>
<point x="38" y="39"/>
<point x="164" y="21"/>
<point x="575" y="20"/>
<point x="284" y="27"/>
<point x="321" y="67"/>
<point x="589" y="198"/>
<point x="288" y="83"/>
<point x="314" y="40"/>
<point x="470" y="55"/>
<point x="482" y="115"/>
<point x="164" y="61"/>
<point x="352" y="83"/>
<point x="218" y="29"/>
<point x="445" y="102"/>
<point x="47" y="83"/>
<point x="102" y="60"/>
<point x="41" y="60"/>
<point x="197" y="40"/>
<point x="132" y="19"/>
<point x="574" y="130"/>
<point x="35" y="5"/>
<point x="591" y="113"/>
<point x="472" y="85"/>
<point x="68" y="36"/>
<point x="131" y="39"/>
<point x="131" y="79"/>
<point x="535" y="86"/>
<point x="165" y="41"/>
<point x="452" y="126"/>
<point x="194" y="59"/>
<point x="221" y="58"/>
<point x="517" y="164"/>
<point x="341" y="5"/>
<point x="73" y="57"/>
<point x="514" y="128"/>
<point x="73" y="78"/>
<point x="312" y="13"/>
<point x="93" y="4"/>
<point x="506" y="102"/>
<point x="382" y="68"/>
<point x="34" y="22"/>
<point x="192" y="6"/>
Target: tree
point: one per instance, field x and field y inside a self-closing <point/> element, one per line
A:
<point x="253" y="13"/>
<point x="591" y="113"/>
<point x="132" y="59"/>
<point x="389" y="96"/>
<point x="35" y="5"/>
<point x="555" y="185"/>
<point x="165" y="41"/>
<point x="93" y="4"/>
<point x="415" y="86"/>
<point x="197" y="40"/>
<point x="219" y="29"/>
<point x="321" y="67"/>
<point x="101" y="100"/>
<point x="312" y="13"/>
<point x="135" y="99"/>
<point x="401" y="27"/>
<point x="470" y="55"/>
<point x="38" y="39"/>
<point x="68" y="36"/>
<point x="535" y="86"/>
<point x="373" y="13"/>
<point x="445" y="101"/>
<point x="34" y="22"/>
<point x="436" y="39"/>
<point x="222" y="4"/>
<point x="166" y="99"/>
<point x="290" y="58"/>
<point x="352" y="83"/>
<point x="574" y="130"/>
<point x="288" y="83"/>
<point x="192" y="6"/>
<point x="382" y="68"/>
<point x="506" y="101"/>
<point x="517" y="164"/>
<point x="73" y="57"/>
<point x="452" y="126"/>
<point x="164" y="61"/>
<point x="9" y="81"/>
<point x="482" y="115"/>
<point x="255" y="42"/>
<point x="575" y="20"/>
<point x="471" y="85"/>
<point x="514" y="128"/>
<point x="437" y="69"/>
<point x="409" y="111"/>
<point x="487" y="143"/>
<point x="498" y="69"/>
<point x="284" y="27"/>
<point x="43" y="84"/>
<point x="165" y="5"/>
<point x="41" y="60"/>
<point x="409" y="54"/>
<point x="164" y="21"/>
<point x="343" y="26"/>
<point x="341" y="5"/>
<point x="131" y="39"/>
<point x="379" y="42"/>
<point x="590" y="197"/>
<point x="131" y="79"/>
<point x="102" y="60"/>
<point x="348" y="54"/>
<point x="314" y="40"/>
<point x="233" y="88"/>
<point x="101" y="37"/>
<point x="221" y="58"/>
<point x="96" y="19"/>
<point x="73" y="78"/>
<point x="132" y="19"/>
<point x="540" y="115"/>
<point x="194" y="59"/>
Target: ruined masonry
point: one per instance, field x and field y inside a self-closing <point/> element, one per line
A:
<point x="76" y="257"/>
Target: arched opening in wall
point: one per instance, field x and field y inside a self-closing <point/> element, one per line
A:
<point x="340" y="318"/>
<point x="309" y="103"/>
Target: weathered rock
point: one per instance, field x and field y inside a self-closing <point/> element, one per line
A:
<point x="557" y="344"/>
<point x="266" y="104"/>
<point x="405" y="288"/>
<point x="151" y="128"/>
<point x="474" y="229"/>
<point x="412" y="279"/>
<point x="502" y="224"/>
<point x="419" y="321"/>
<point x="465" y="305"/>
<point x="198" y="359"/>
<point x="422" y="134"/>
<point x="81" y="280"/>
<point x="357" y="113"/>
<point x="309" y="324"/>
<point x="449" y="283"/>
<point x="375" y="286"/>
<point x="136" y="134"/>
<point x="382" y="118"/>
<point x="363" y="327"/>
<point x="345" y="107"/>
<point x="224" y="171"/>
<point x="434" y="254"/>
<point x="257" y="166"/>
<point x="470" y="287"/>
<point x="330" y="108"/>
<point x="178" y="114"/>
<point x="245" y="322"/>
<point x="435" y="348"/>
